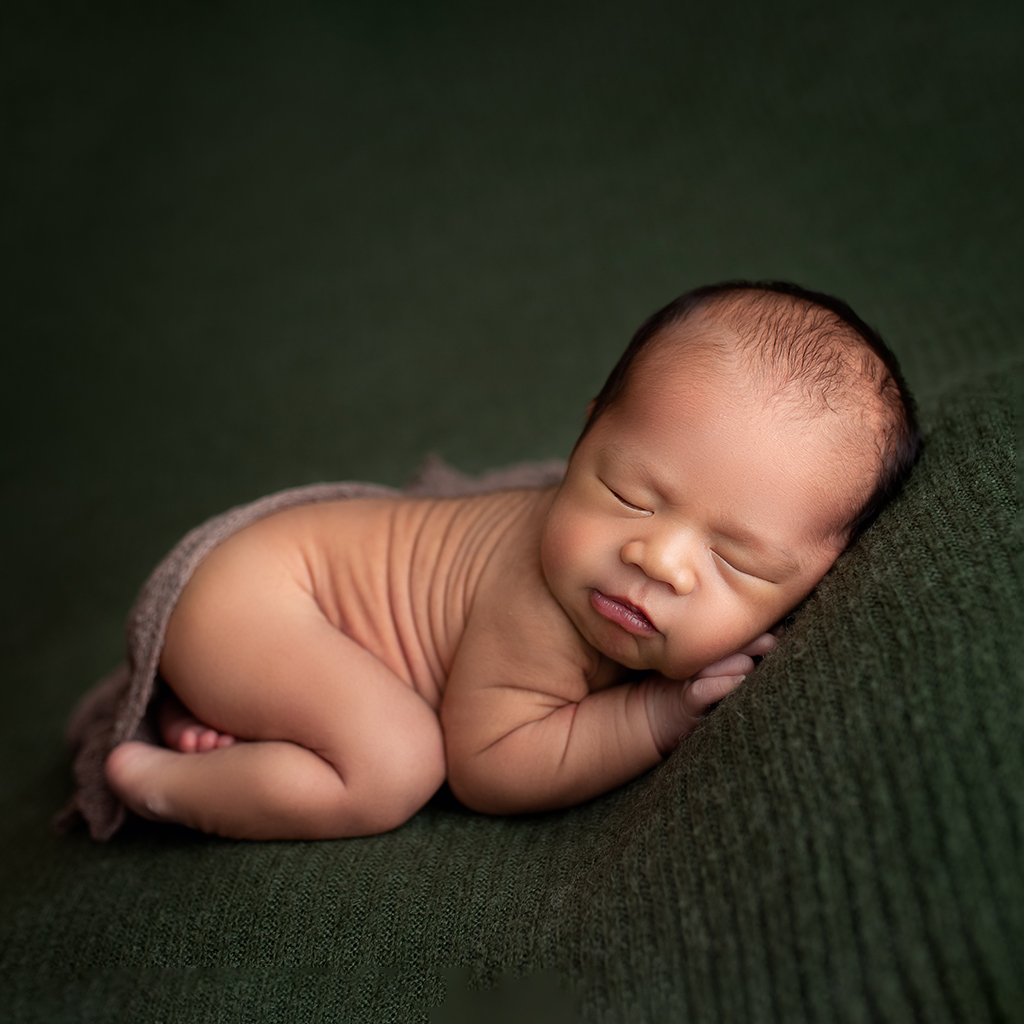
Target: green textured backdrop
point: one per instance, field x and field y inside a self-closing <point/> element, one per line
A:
<point x="247" y="246"/>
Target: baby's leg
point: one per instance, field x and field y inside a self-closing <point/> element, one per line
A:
<point x="339" y="745"/>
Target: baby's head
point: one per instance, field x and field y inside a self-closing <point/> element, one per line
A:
<point x="746" y="436"/>
<point x="804" y="349"/>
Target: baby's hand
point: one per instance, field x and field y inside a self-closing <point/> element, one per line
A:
<point x="674" y="708"/>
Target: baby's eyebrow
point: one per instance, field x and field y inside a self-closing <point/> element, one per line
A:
<point x="619" y="450"/>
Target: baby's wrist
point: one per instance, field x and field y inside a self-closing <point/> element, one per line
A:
<point x="666" y="717"/>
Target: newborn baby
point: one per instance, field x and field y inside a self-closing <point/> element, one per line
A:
<point x="334" y="663"/>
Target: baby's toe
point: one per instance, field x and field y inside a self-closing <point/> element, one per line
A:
<point x="206" y="739"/>
<point x="184" y="739"/>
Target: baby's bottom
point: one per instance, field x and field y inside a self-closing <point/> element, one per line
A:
<point x="337" y="745"/>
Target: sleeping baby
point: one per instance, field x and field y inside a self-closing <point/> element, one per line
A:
<point x="331" y="665"/>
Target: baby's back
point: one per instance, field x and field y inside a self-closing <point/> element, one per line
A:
<point x="397" y="575"/>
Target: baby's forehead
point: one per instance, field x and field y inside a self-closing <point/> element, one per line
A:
<point x="836" y="434"/>
<point x="709" y="357"/>
<point x="767" y="458"/>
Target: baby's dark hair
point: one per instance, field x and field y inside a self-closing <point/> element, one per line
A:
<point x="800" y="340"/>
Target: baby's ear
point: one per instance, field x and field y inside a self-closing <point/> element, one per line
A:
<point x="590" y="408"/>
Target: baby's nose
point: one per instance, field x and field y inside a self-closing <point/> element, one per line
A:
<point x="665" y="561"/>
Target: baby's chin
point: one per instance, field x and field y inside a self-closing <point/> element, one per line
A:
<point x="648" y="655"/>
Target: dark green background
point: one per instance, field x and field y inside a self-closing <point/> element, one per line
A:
<point x="248" y="246"/>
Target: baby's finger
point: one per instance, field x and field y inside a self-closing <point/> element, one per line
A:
<point x="761" y="646"/>
<point x="735" y="665"/>
<point x="704" y="692"/>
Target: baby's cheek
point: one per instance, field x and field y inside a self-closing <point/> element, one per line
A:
<point x="558" y="549"/>
<point x="704" y="647"/>
<point x="550" y="556"/>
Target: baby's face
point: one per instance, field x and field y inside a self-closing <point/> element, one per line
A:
<point x="692" y="518"/>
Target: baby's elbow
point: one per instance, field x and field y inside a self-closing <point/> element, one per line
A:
<point x="477" y="783"/>
<point x="469" y="787"/>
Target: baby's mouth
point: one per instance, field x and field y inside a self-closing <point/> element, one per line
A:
<point x="620" y="611"/>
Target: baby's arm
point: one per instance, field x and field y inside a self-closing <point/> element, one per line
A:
<point x="514" y="747"/>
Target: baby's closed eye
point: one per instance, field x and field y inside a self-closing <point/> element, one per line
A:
<point x="632" y="506"/>
<point x="737" y="565"/>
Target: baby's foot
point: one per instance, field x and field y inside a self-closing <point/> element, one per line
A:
<point x="180" y="730"/>
<point x="133" y="771"/>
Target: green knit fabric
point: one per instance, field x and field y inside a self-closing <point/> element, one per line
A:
<point x="254" y="246"/>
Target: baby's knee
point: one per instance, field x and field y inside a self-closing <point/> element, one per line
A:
<point x="402" y="778"/>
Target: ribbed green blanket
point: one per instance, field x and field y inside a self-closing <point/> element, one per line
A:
<point x="255" y="246"/>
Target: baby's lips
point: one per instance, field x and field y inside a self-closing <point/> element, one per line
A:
<point x="622" y="611"/>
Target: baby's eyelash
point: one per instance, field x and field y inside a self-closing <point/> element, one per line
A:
<point x="628" y="504"/>
<point x="735" y="568"/>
